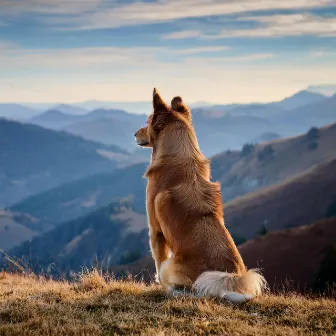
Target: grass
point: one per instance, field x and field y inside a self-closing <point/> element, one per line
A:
<point x="96" y="305"/>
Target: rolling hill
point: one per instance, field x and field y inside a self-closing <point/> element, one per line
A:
<point x="111" y="235"/>
<point x="298" y="201"/>
<point x="34" y="159"/>
<point x="16" y="228"/>
<point x="297" y="257"/>
<point x="265" y="164"/>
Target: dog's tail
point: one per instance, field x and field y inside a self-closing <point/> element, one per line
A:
<point x="236" y="288"/>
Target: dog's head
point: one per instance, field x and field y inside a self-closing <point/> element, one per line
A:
<point x="161" y="118"/>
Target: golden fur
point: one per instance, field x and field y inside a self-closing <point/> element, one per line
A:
<point x="189" y="241"/>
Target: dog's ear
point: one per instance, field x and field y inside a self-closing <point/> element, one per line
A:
<point x="158" y="104"/>
<point x="178" y="105"/>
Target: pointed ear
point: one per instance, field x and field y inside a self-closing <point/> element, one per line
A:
<point x="158" y="104"/>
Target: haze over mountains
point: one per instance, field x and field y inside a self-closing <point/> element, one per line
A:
<point x="218" y="127"/>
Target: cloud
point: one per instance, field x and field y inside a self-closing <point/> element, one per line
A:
<point x="163" y="11"/>
<point x="231" y="59"/>
<point x="180" y="35"/>
<point x="283" y="25"/>
<point x="97" y="14"/>
<point x="200" y="50"/>
<point x="13" y="57"/>
<point x="48" y="6"/>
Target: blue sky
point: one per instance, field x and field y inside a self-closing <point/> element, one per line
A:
<point x="209" y="50"/>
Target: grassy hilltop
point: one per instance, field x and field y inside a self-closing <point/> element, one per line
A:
<point x="99" y="306"/>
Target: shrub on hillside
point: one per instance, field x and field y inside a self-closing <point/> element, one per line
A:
<point x="313" y="133"/>
<point x="247" y="150"/>
<point x="266" y="153"/>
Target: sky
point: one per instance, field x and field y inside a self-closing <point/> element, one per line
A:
<point x="215" y="51"/>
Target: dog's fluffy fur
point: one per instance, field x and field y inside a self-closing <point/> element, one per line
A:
<point x="189" y="242"/>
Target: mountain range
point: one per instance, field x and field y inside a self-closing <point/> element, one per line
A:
<point x="34" y="159"/>
<point x="239" y="172"/>
<point x="218" y="127"/>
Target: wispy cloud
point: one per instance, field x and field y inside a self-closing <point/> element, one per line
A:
<point x="199" y="50"/>
<point x="49" y="6"/>
<point x="13" y="57"/>
<point x="283" y="25"/>
<point x="162" y="11"/>
<point x="95" y="14"/>
<point x="180" y="35"/>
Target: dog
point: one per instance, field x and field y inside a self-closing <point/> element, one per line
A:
<point x="190" y="244"/>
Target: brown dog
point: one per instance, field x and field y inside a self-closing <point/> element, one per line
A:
<point x="189" y="241"/>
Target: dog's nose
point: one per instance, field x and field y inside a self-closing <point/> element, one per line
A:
<point x="135" y="134"/>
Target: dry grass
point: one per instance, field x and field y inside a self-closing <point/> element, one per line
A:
<point x="98" y="306"/>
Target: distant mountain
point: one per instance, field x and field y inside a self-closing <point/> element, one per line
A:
<point x="112" y="235"/>
<point x="16" y="228"/>
<point x="144" y="107"/>
<point x="34" y="159"/>
<point x="316" y="114"/>
<point x="227" y="132"/>
<point x="16" y="111"/>
<point x="107" y="131"/>
<point x="106" y="126"/>
<point x="54" y="119"/>
<point x="70" y="109"/>
<point x="299" y="99"/>
<point x="302" y="258"/>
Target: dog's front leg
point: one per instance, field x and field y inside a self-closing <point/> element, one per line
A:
<point x="159" y="248"/>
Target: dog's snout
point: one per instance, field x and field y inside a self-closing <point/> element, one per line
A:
<point x="135" y="134"/>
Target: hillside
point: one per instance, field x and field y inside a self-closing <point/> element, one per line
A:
<point x="304" y="199"/>
<point x="111" y="235"/>
<point x="83" y="196"/>
<point x="16" y="228"/>
<point x="295" y="256"/>
<point x="34" y="159"/>
<point x="259" y="166"/>
<point x="97" y="306"/>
